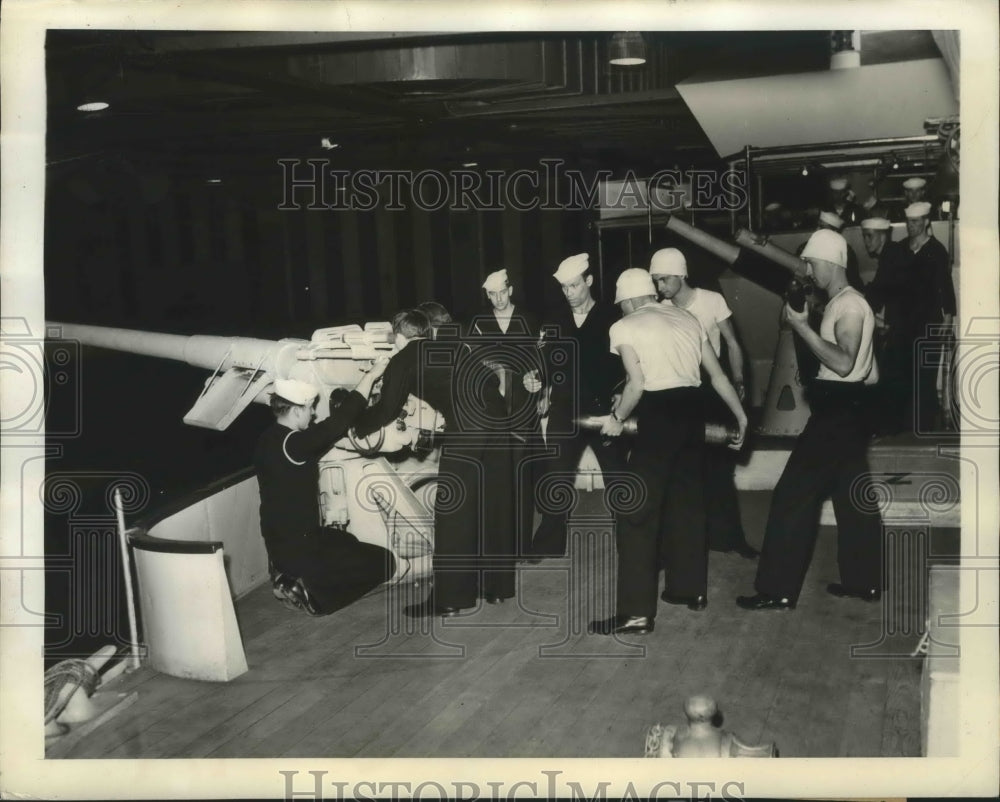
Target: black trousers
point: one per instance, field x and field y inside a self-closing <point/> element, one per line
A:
<point x="896" y="397"/>
<point x="334" y="565"/>
<point x="476" y="523"/>
<point x="722" y="511"/>
<point x="668" y="524"/>
<point x="555" y="476"/>
<point x="829" y="459"/>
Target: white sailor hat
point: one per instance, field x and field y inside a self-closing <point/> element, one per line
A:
<point x="295" y="391"/>
<point x="831" y="219"/>
<point x="870" y="203"/>
<point x="838" y="183"/>
<point x="496" y="281"/>
<point x="827" y="245"/>
<point x="914" y="183"/>
<point x="919" y="209"/>
<point x="668" y="262"/>
<point x="633" y="283"/>
<point x="772" y="207"/>
<point x="571" y="267"/>
<point x="876" y="224"/>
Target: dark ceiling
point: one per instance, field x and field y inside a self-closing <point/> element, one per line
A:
<point x="239" y="100"/>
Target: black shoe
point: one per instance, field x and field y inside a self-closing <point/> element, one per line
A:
<point x="294" y="594"/>
<point x="621" y="625"/>
<point x="865" y="594"/>
<point x="693" y="602"/>
<point x="762" y="601"/>
<point x="428" y="609"/>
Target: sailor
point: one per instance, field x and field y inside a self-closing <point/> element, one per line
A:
<point x="473" y="514"/>
<point x="506" y="339"/>
<point x="668" y="267"/>
<point x="834" y="222"/>
<point x="914" y="191"/>
<point x="318" y="569"/>
<point x="402" y="377"/>
<point x="894" y="292"/>
<point x="935" y="305"/>
<point x="580" y="382"/>
<point x="829" y="456"/>
<point x="662" y="349"/>
<point x="437" y="316"/>
<point x="841" y="201"/>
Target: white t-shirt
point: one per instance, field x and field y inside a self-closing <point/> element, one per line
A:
<point x="709" y="307"/>
<point x="667" y="341"/>
<point x="865" y="368"/>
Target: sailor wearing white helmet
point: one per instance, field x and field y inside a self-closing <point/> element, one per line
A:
<point x="829" y="457"/>
<point x="668" y="267"/>
<point x="662" y="349"/>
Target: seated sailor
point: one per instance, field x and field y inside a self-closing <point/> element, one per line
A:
<point x="318" y="569"/>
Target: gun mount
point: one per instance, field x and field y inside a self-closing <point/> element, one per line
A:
<point x="390" y="504"/>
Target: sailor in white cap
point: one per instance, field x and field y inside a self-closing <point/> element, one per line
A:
<point x="829" y="457"/>
<point x="668" y="268"/>
<point x="934" y="305"/>
<point x="318" y="570"/>
<point x="914" y="189"/>
<point x="834" y="222"/>
<point x="841" y="201"/>
<point x="663" y="349"/>
<point x="507" y="338"/>
<point x="893" y="292"/>
<point x="582" y="376"/>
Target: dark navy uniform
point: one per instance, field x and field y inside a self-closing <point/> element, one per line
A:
<point x="516" y="433"/>
<point x="583" y="375"/>
<point x="335" y="567"/>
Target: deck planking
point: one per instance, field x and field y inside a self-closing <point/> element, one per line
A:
<point x="524" y="679"/>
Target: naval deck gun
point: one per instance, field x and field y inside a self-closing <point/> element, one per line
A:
<point x="387" y="503"/>
<point x="244" y="368"/>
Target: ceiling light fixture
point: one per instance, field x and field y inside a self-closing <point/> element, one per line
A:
<point x="96" y="105"/>
<point x="627" y="49"/>
<point x="470" y="164"/>
<point x="327" y="144"/>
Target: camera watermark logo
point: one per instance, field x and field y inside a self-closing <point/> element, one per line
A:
<point x="39" y="374"/>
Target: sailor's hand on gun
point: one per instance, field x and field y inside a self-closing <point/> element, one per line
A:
<point x="737" y="443"/>
<point x="373" y="375"/>
<point x="793" y="318"/>
<point x="532" y="383"/>
<point x="612" y="427"/>
<point x="378" y="367"/>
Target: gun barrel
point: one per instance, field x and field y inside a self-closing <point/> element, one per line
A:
<point x="772" y="252"/>
<point x="725" y="251"/>
<point x="201" y="350"/>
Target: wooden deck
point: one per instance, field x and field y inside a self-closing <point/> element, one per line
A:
<point x="525" y="680"/>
